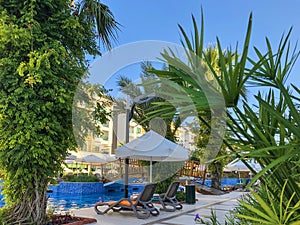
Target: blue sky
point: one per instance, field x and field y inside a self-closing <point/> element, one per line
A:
<point x="158" y="19"/>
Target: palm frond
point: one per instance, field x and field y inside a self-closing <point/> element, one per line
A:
<point x="100" y="15"/>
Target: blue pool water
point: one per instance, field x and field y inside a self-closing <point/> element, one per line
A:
<point x="68" y="201"/>
<point x="113" y="192"/>
<point x="226" y="181"/>
<point x="1" y="201"/>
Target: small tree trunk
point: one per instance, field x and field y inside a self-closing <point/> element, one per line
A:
<point x="191" y="168"/>
<point x="204" y="175"/>
<point x="216" y="175"/>
<point x="32" y="208"/>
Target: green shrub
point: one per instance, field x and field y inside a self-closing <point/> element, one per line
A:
<point x="80" y="178"/>
<point x="180" y="195"/>
<point x="162" y="186"/>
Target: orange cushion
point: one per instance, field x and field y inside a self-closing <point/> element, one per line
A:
<point x="124" y="202"/>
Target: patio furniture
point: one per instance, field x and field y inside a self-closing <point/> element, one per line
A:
<point x="141" y="206"/>
<point x="168" y="200"/>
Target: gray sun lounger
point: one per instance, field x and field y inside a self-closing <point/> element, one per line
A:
<point x="142" y="206"/>
<point x="168" y="200"/>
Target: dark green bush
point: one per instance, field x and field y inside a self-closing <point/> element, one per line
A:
<point x="180" y="195"/>
<point x="162" y="186"/>
<point x="80" y="178"/>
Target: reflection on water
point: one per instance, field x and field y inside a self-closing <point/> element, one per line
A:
<point x="66" y="202"/>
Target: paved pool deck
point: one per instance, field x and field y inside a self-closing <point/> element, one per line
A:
<point x="222" y="204"/>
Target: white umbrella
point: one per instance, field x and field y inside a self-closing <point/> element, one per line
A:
<point x="152" y="147"/>
<point x="112" y="172"/>
<point x="69" y="161"/>
<point x="71" y="157"/>
<point x="239" y="166"/>
<point x="84" y="171"/>
<point x="255" y="166"/>
<point x="98" y="171"/>
<point x="236" y="165"/>
<point x="91" y="159"/>
<point x="109" y="158"/>
<point x="67" y="170"/>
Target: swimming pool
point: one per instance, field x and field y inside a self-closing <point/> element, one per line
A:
<point x="69" y="195"/>
<point x="112" y="192"/>
<point x="225" y="181"/>
<point x="61" y="202"/>
<point x="67" y="202"/>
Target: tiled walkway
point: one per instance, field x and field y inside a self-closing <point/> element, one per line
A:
<point x="222" y="204"/>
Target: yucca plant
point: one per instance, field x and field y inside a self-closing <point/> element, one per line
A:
<point x="268" y="136"/>
<point x="213" y="220"/>
<point x="267" y="130"/>
<point x="208" y="220"/>
<point x="270" y="209"/>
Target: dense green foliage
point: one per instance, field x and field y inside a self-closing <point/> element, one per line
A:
<point x="80" y="178"/>
<point x="43" y="47"/>
<point x="180" y="196"/>
<point x="162" y="186"/>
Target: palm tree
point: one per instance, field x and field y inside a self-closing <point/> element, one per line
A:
<point x="139" y="111"/>
<point x="101" y="17"/>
